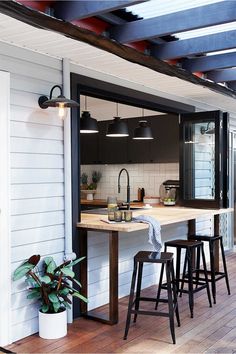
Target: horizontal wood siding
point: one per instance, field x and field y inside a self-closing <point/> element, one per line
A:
<point x="37" y="176"/>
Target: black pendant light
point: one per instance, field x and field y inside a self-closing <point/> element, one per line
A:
<point x="118" y="128"/>
<point x="88" y="124"/>
<point x="60" y="102"/>
<point x="143" y="131"/>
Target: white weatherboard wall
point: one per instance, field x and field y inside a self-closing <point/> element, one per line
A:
<point x="37" y="188"/>
<point x="5" y="237"/>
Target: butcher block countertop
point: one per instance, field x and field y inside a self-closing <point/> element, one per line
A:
<point x="165" y="215"/>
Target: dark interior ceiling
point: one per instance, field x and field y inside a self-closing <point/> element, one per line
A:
<point x="153" y="37"/>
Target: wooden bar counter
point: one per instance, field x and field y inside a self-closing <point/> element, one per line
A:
<point x="93" y="222"/>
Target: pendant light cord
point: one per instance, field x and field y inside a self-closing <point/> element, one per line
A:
<point x="85" y="103"/>
<point x="117" y="113"/>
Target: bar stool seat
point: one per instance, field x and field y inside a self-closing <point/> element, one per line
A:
<point x="215" y="275"/>
<point x="190" y="246"/>
<point x="166" y="260"/>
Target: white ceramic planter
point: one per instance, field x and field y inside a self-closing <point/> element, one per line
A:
<point x="52" y="325"/>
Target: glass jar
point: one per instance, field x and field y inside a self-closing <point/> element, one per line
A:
<point x="111" y="207"/>
<point x="128" y="215"/>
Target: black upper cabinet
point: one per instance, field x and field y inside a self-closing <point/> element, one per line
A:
<point x="164" y="148"/>
<point x="203" y="159"/>
<point x="111" y="150"/>
<point x="138" y="150"/>
<point x="89" y="148"/>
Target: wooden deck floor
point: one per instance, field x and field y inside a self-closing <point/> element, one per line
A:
<point x="212" y="330"/>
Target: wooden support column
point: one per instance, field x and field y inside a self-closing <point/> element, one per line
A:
<point x="191" y="227"/>
<point x="113" y="274"/>
<point x="217" y="244"/>
<point x="83" y="271"/>
<point x="112" y="318"/>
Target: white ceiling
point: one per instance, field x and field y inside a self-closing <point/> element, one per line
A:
<point x="56" y="45"/>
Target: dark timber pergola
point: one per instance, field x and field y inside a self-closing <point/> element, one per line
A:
<point x="149" y="42"/>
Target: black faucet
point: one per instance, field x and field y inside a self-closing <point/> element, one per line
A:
<point x="128" y="186"/>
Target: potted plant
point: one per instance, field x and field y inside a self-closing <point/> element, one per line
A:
<point x="52" y="286"/>
<point x="84" y="181"/>
<point x="96" y="176"/>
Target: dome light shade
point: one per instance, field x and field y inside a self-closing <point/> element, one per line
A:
<point x="117" y="128"/>
<point x="143" y="131"/>
<point x="60" y="102"/>
<point x="88" y="124"/>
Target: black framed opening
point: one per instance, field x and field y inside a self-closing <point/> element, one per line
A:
<point x="82" y="85"/>
<point x="204" y="159"/>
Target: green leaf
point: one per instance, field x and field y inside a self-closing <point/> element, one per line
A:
<point x="45" y="308"/>
<point x="22" y="270"/>
<point x="80" y="296"/>
<point x="77" y="282"/>
<point x="68" y="272"/>
<point x="73" y="263"/>
<point x="34" y="295"/>
<point x="56" y="306"/>
<point x="53" y="297"/>
<point x="64" y="291"/>
<point x="46" y="279"/>
<point x="66" y="305"/>
<point x="51" y="265"/>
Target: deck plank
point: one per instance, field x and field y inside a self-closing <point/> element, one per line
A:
<point x="212" y="330"/>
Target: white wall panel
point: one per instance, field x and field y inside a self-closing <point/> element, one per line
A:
<point x="34" y="235"/>
<point x="28" y="145"/>
<point x="37" y="171"/>
<point x="31" y="70"/>
<point x="29" y="206"/>
<point x="21" y="176"/>
<point x="25" y="191"/>
<point x="44" y="248"/>
<point x="40" y="116"/>
<point x="37" y="131"/>
<point x="19" y="160"/>
<point x="29" y="221"/>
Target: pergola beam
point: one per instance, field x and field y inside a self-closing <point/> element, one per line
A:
<point x="221" y="75"/>
<point x="199" y="17"/>
<point x="210" y="62"/>
<point x="40" y="20"/>
<point x="205" y="44"/>
<point x="77" y="10"/>
<point x="232" y="85"/>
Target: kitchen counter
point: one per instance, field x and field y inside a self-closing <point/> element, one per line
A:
<point x="166" y="215"/>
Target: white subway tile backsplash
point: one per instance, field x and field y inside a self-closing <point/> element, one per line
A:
<point x="147" y="176"/>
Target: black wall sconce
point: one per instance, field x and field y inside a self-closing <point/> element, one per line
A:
<point x="60" y="102"/>
<point x="210" y="129"/>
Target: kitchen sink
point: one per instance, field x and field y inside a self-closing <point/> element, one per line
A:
<point x="103" y="211"/>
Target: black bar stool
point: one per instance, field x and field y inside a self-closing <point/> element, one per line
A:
<point x="166" y="259"/>
<point x="190" y="246"/>
<point x="215" y="275"/>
